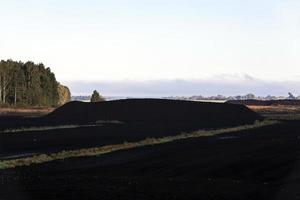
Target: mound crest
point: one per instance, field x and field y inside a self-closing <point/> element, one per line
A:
<point x="155" y="111"/>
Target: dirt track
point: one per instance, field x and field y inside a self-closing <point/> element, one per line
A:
<point x="253" y="164"/>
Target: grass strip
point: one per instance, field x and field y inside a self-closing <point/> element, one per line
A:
<point x="42" y="158"/>
<point x="43" y="128"/>
<point x="67" y="126"/>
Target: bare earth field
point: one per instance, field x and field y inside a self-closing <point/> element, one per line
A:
<point x="253" y="163"/>
<point x="279" y="112"/>
<point x="31" y="112"/>
<point x="276" y="109"/>
<point x="280" y="109"/>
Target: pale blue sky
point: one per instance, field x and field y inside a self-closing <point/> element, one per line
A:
<point x="94" y="40"/>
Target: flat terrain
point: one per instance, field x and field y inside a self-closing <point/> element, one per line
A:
<point x="260" y="163"/>
<point x="31" y="112"/>
<point x="254" y="102"/>
<point x="46" y="141"/>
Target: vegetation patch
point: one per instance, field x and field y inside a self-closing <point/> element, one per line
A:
<point x="29" y="84"/>
<point x="36" y="159"/>
<point x="67" y="126"/>
<point x="43" y="128"/>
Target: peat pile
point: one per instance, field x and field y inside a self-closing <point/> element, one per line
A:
<point x="253" y="102"/>
<point x="155" y="111"/>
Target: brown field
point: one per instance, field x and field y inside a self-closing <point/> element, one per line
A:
<point x="25" y="111"/>
<point x="276" y="109"/>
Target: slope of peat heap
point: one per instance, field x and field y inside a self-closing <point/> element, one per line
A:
<point x="155" y="111"/>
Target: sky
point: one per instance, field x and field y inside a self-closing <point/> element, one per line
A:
<point x="212" y="45"/>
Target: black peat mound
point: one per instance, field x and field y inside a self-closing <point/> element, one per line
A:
<point x="253" y="102"/>
<point x="154" y="111"/>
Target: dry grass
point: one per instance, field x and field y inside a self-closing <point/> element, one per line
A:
<point x="45" y="128"/>
<point x="5" y="164"/>
<point x="276" y="109"/>
<point x="66" y="126"/>
<point x="279" y="112"/>
<point x="25" y="111"/>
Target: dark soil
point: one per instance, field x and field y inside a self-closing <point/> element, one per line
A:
<point x="254" y="164"/>
<point x="141" y="110"/>
<point x="260" y="163"/>
<point x="141" y="118"/>
<point x="84" y="137"/>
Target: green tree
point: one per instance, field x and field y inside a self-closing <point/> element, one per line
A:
<point x="27" y="84"/>
<point x="96" y="97"/>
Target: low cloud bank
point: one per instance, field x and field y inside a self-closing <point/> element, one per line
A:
<point x="163" y="88"/>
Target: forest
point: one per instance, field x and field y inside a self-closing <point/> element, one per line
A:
<point x="27" y="84"/>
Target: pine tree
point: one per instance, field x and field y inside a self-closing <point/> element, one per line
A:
<point x="96" y="97"/>
<point x="27" y="84"/>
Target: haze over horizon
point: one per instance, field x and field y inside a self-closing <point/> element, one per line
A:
<point x="179" y="87"/>
<point x="159" y="47"/>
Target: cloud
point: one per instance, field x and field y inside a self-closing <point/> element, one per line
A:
<point x="224" y="85"/>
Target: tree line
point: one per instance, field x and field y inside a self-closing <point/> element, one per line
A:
<point x="27" y="84"/>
